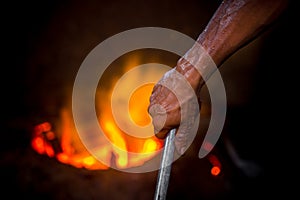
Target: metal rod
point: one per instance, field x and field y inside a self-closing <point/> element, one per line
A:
<point x="165" y="167"/>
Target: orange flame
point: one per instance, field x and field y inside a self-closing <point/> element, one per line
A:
<point x="65" y="145"/>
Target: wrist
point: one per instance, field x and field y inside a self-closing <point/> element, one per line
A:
<point x="196" y="66"/>
<point x="190" y="73"/>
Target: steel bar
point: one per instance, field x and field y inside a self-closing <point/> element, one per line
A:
<point x="165" y="167"/>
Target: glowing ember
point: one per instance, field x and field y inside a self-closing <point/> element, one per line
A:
<point x="216" y="165"/>
<point x="215" y="170"/>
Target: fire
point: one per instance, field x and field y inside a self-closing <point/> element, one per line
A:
<point x="64" y="143"/>
<point x="138" y="104"/>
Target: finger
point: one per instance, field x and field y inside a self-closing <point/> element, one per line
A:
<point x="155" y="96"/>
<point x="162" y="134"/>
<point x="171" y="103"/>
<point x="159" y="117"/>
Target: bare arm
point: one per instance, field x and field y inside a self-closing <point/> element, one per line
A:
<point x="233" y="25"/>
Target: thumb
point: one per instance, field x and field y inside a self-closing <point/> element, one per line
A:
<point x="159" y="117"/>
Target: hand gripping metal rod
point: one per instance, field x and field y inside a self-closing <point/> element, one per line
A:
<point x="165" y="167"/>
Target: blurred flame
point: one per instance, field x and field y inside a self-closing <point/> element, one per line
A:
<point x="138" y="105"/>
<point x="65" y="145"/>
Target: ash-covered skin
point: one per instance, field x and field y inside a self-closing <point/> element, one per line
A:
<point x="234" y="24"/>
<point x="174" y="100"/>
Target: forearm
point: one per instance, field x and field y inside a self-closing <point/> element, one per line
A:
<point x="234" y="24"/>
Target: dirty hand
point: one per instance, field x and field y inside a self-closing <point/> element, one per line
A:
<point x="174" y="104"/>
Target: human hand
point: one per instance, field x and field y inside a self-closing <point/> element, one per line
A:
<point x="173" y="104"/>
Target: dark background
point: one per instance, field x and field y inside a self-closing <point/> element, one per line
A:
<point x="43" y="45"/>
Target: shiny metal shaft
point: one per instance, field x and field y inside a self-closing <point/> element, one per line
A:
<point x="165" y="167"/>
